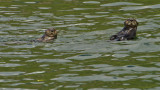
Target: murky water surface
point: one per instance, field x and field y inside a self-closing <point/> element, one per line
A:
<point x="82" y="57"/>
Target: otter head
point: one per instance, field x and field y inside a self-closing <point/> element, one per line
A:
<point x="131" y="23"/>
<point x="51" y="32"/>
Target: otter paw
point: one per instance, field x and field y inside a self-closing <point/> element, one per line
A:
<point x="113" y="37"/>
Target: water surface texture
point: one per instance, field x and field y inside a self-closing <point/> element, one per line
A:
<point x="82" y="57"/>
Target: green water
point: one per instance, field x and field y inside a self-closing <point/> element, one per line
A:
<point x="82" y="57"/>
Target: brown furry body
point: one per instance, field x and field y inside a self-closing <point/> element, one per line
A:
<point x="50" y="34"/>
<point x="128" y="32"/>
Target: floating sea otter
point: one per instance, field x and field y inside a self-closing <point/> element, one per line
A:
<point x="49" y="35"/>
<point x="128" y="32"/>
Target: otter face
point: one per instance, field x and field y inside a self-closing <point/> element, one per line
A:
<point x="131" y="23"/>
<point x="51" y="32"/>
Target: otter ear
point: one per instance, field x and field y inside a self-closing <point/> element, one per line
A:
<point x="53" y="29"/>
<point x="136" y="21"/>
<point x="46" y="31"/>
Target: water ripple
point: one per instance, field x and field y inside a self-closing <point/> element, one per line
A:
<point x="106" y="68"/>
<point x="44" y="7"/>
<point x="141" y="7"/>
<point x="36" y="72"/>
<point x="11" y="73"/>
<point x="90" y="78"/>
<point x="84" y="56"/>
<point x="30" y="2"/>
<point x="53" y="60"/>
<point x="10" y="65"/>
<point x="84" y="8"/>
<point x="119" y="4"/>
<point x="91" y="2"/>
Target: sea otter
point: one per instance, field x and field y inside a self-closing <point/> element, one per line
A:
<point x="128" y="32"/>
<point x="49" y="35"/>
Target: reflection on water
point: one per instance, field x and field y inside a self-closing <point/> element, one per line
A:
<point x="82" y="57"/>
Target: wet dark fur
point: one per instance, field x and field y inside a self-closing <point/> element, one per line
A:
<point x="49" y="35"/>
<point x="128" y="32"/>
